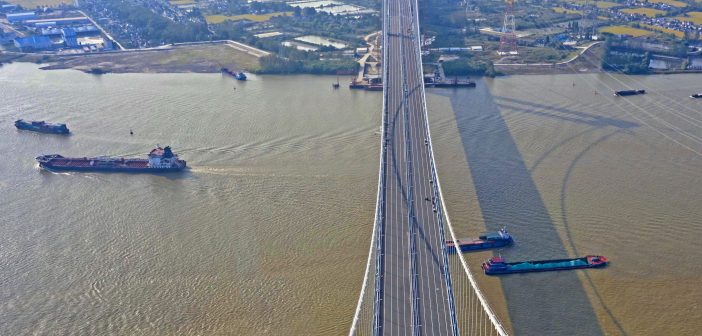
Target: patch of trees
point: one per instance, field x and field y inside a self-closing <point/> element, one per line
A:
<point x="277" y="65"/>
<point x="626" y="61"/>
<point x="469" y="66"/>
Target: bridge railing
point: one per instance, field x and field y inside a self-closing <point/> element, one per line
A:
<point x="368" y="316"/>
<point x="474" y="314"/>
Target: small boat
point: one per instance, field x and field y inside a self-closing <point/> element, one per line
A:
<point x="497" y="265"/>
<point x="238" y="75"/>
<point x="160" y="160"/>
<point x="696" y="95"/>
<point x="336" y="85"/>
<point x="487" y="240"/>
<point x="41" y="126"/>
<point x="357" y="85"/>
<point x="629" y="92"/>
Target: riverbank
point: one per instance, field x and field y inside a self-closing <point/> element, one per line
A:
<point x="181" y="58"/>
<point x="210" y="57"/>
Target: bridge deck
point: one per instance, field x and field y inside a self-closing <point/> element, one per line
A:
<point x="414" y="290"/>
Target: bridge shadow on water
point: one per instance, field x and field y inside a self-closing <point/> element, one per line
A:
<point x="550" y="303"/>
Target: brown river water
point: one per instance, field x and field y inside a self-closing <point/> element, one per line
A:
<point x="267" y="233"/>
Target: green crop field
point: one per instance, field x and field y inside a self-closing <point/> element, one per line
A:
<point x="694" y="17"/>
<point x="29" y="4"/>
<point x="650" y="12"/>
<point x="673" y="3"/>
<point x="561" y="10"/>
<point x="625" y="30"/>
<point x="215" y="19"/>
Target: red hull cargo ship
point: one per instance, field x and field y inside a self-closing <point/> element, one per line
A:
<point x="160" y="160"/>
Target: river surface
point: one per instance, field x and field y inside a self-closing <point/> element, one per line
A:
<point x="268" y="232"/>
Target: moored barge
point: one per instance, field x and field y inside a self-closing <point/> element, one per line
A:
<point x="623" y="93"/>
<point x="41" y="126"/>
<point x="238" y="75"/>
<point x="487" y="240"/>
<point x="160" y="160"/>
<point x="497" y="265"/>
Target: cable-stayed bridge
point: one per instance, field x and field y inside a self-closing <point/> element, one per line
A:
<point x="412" y="285"/>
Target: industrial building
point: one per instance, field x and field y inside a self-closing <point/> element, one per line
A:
<point x="20" y="17"/>
<point x="57" y="21"/>
<point x="33" y="43"/>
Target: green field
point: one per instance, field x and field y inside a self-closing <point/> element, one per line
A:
<point x="650" y="12"/>
<point x="29" y="4"/>
<point x="625" y="30"/>
<point x="694" y="17"/>
<point x="606" y="4"/>
<point x="599" y="4"/>
<point x="215" y="19"/>
<point x="673" y="3"/>
<point x="561" y="10"/>
<point x="677" y="33"/>
<point x="181" y="2"/>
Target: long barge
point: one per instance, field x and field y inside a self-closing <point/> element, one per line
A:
<point x="624" y="93"/>
<point x="42" y="127"/>
<point x="160" y="160"/>
<point x="497" y="265"/>
<point x="487" y="240"/>
<point x="454" y="83"/>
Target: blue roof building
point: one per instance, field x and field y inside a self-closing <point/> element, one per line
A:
<point x="33" y="43"/>
<point x="19" y="17"/>
<point x="69" y="37"/>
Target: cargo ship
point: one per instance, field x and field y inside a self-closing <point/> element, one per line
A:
<point x="236" y="74"/>
<point x="454" y="83"/>
<point x="487" y="240"/>
<point x="41" y="126"/>
<point x="629" y="92"/>
<point x="160" y="160"/>
<point x="696" y="95"/>
<point x="497" y="265"/>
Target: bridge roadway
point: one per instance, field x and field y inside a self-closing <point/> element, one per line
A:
<point x="412" y="283"/>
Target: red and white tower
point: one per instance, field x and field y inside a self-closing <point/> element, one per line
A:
<point x="508" y="39"/>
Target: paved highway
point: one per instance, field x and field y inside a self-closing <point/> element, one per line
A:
<point x="413" y="286"/>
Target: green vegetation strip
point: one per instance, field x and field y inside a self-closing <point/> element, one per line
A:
<point x="215" y="19"/>
<point x="625" y="30"/>
<point x="30" y="4"/>
<point x="649" y="12"/>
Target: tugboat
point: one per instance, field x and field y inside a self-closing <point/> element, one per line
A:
<point x="160" y="160"/>
<point x="497" y="265"/>
<point x="629" y="93"/>
<point x="41" y="126"/>
<point x="487" y="240"/>
<point x="696" y="95"/>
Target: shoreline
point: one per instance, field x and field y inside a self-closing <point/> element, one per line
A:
<point x="212" y="56"/>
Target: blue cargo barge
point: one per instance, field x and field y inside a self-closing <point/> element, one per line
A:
<point x="497" y="265"/>
<point x="41" y="126"/>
